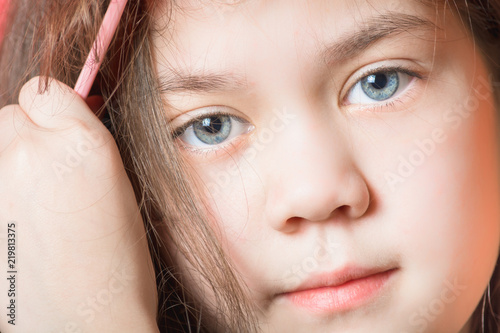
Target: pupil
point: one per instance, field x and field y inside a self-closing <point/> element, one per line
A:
<point x="212" y="125"/>
<point x="213" y="130"/>
<point x="379" y="81"/>
<point x="380" y="86"/>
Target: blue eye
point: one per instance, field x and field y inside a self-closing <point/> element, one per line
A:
<point x="379" y="87"/>
<point x="213" y="129"/>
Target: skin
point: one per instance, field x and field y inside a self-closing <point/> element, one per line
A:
<point x="328" y="189"/>
<point x="80" y="254"/>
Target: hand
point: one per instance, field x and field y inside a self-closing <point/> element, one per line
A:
<point x="80" y="251"/>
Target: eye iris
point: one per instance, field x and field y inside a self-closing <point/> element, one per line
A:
<point x="213" y="130"/>
<point x="380" y="86"/>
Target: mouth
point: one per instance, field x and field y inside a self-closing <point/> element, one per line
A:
<point x="340" y="291"/>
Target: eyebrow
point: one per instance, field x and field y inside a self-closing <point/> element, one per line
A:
<point x="206" y="82"/>
<point x="372" y="31"/>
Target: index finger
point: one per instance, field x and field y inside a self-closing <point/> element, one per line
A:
<point x="55" y="108"/>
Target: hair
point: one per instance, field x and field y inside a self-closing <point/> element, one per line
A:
<point x="51" y="38"/>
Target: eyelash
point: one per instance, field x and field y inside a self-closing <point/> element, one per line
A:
<point x="179" y="130"/>
<point x="374" y="107"/>
<point x="382" y="69"/>
<point x="206" y="151"/>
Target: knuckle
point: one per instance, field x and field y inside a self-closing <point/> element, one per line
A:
<point x="89" y="147"/>
<point x="31" y="152"/>
<point x="95" y="137"/>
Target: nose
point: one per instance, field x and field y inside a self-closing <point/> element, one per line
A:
<point x="313" y="177"/>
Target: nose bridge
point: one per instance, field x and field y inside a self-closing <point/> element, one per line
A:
<point x="312" y="172"/>
<point x="313" y="143"/>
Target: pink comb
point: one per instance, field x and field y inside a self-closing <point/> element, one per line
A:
<point x="101" y="44"/>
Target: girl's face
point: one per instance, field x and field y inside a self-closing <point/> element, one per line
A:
<point x="340" y="141"/>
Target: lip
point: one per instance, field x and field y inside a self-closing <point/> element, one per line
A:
<point x="340" y="291"/>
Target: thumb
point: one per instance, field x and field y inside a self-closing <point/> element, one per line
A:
<point x="57" y="107"/>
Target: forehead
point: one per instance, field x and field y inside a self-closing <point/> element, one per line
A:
<point x="196" y="36"/>
<point x="225" y="11"/>
<point x="202" y="22"/>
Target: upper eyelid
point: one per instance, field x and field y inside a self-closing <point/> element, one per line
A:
<point x="178" y="130"/>
<point x="388" y="68"/>
<point x="380" y="69"/>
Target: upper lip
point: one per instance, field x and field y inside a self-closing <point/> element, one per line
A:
<point x="338" y="277"/>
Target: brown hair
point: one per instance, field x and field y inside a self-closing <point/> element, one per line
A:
<point x="52" y="38"/>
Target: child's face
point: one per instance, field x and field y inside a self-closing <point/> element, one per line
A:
<point x="337" y="139"/>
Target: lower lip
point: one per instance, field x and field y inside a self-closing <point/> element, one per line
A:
<point x="347" y="296"/>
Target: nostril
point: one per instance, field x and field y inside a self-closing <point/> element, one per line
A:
<point x="292" y="225"/>
<point x="343" y="210"/>
<point x="317" y="197"/>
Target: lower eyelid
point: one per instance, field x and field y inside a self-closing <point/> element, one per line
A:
<point x="243" y="129"/>
<point x="215" y="151"/>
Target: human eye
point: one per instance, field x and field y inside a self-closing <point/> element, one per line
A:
<point x="211" y="130"/>
<point x="381" y="85"/>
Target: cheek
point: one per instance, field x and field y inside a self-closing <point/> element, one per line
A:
<point x="443" y="203"/>
<point x="232" y="190"/>
<point x="457" y="185"/>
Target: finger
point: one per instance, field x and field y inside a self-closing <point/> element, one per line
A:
<point x="56" y="108"/>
